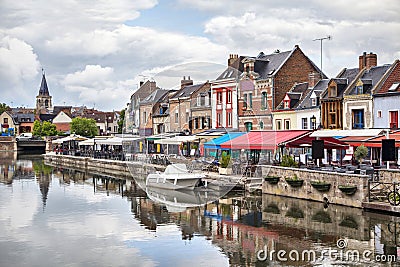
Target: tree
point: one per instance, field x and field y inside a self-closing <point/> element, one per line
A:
<point x="3" y="107"/>
<point x="121" y="121"/>
<point x="85" y="127"/>
<point x="360" y="153"/>
<point x="44" y="128"/>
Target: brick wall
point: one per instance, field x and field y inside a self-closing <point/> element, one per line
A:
<point x="296" y="69"/>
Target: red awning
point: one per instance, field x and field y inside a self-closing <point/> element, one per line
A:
<point x="306" y="141"/>
<point x="377" y="141"/>
<point x="263" y="140"/>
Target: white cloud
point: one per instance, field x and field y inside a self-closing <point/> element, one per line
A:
<point x="69" y="36"/>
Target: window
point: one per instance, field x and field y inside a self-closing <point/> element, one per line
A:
<point x="394" y="87"/>
<point x="176" y="116"/>
<point x="359" y="90"/>
<point x="313" y="102"/>
<point x="218" y="119"/>
<point x="286" y="104"/>
<point x="379" y="114"/>
<point x="394" y="119"/>
<point x="219" y="98"/>
<point x="332" y="91"/>
<point x="261" y="125"/>
<point x="5" y="120"/>
<point x="264" y="102"/>
<point x="250" y="100"/>
<point x="278" y="124"/>
<point x="287" y="124"/>
<point x="313" y="123"/>
<point x="304" y="123"/>
<point x="245" y="99"/>
<point x="198" y="101"/>
<point x="358" y="119"/>
<point x="46" y="103"/>
<point x="187" y="116"/>
<point x="144" y="116"/>
<point x="229" y="119"/>
<point x="229" y="96"/>
<point x="248" y="126"/>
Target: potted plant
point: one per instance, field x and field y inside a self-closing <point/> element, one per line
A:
<point x="348" y="189"/>
<point x="349" y="222"/>
<point x="288" y="161"/>
<point x="322" y="216"/>
<point x="272" y="208"/>
<point x="272" y="179"/>
<point x="360" y="153"/>
<point x="295" y="212"/>
<point x="224" y="167"/>
<point x="321" y="185"/>
<point x="294" y="181"/>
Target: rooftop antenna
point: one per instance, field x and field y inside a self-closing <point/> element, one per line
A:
<point x="321" y="39"/>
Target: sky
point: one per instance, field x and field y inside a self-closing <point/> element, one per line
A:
<point x="96" y="52"/>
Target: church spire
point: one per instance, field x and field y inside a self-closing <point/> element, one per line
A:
<point x="44" y="90"/>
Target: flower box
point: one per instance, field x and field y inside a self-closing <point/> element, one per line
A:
<point x="321" y="186"/>
<point x="294" y="182"/>
<point x="348" y="189"/>
<point x="272" y="179"/>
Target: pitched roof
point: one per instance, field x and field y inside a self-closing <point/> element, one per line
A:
<point x="305" y="102"/>
<point x="369" y="78"/>
<point x="154" y="97"/>
<point x="187" y="91"/>
<point x="296" y="95"/>
<point x="390" y="84"/>
<point x="44" y="90"/>
<point x="143" y="91"/>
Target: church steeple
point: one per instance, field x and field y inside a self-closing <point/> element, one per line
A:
<point x="43" y="99"/>
<point x="44" y="90"/>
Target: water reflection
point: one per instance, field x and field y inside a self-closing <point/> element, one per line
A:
<point x="57" y="212"/>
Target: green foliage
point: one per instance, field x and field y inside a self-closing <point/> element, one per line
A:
<point x="85" y="127"/>
<point x="44" y="128"/>
<point x="361" y="152"/>
<point x="288" y="161"/>
<point x="225" y="159"/>
<point x="3" y="107"/>
<point x="121" y="121"/>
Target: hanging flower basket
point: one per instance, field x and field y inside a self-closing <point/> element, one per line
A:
<point x="321" y="186"/>
<point x="294" y="182"/>
<point x="272" y="179"/>
<point x="348" y="189"/>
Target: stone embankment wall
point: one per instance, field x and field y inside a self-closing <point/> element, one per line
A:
<point x="85" y="164"/>
<point x="8" y="143"/>
<point x="307" y="191"/>
<point x="389" y="176"/>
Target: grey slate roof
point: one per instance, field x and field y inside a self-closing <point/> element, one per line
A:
<point x="370" y="78"/>
<point x="154" y="97"/>
<point x="187" y="91"/>
<point x="44" y="90"/>
<point x="296" y="94"/>
<point x="317" y="90"/>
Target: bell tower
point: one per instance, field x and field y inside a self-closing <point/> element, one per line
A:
<point x="43" y="99"/>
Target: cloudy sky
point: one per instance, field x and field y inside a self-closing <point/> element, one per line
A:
<point x="96" y="52"/>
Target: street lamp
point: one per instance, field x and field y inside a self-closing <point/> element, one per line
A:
<point x="313" y="122"/>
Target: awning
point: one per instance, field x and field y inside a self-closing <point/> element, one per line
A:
<point x="306" y="141"/>
<point x="377" y="141"/>
<point x="354" y="132"/>
<point x="216" y="142"/>
<point x="264" y="140"/>
<point x="177" y="140"/>
<point x="161" y="136"/>
<point x="69" y="138"/>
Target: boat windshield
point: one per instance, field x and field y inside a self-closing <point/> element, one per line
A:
<point x="176" y="168"/>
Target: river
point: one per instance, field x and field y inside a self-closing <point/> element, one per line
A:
<point x="52" y="216"/>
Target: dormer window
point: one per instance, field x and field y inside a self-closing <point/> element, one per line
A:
<point x="359" y="89"/>
<point x="286" y="102"/>
<point x="332" y="91"/>
<point x="313" y="102"/>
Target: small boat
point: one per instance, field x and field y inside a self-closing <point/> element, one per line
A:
<point x="175" y="176"/>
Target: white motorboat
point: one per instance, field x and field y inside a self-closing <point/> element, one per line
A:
<point x="175" y="176"/>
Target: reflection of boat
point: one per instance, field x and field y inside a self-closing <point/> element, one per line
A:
<point x="175" y="176"/>
<point x="179" y="200"/>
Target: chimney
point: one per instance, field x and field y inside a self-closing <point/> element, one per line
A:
<point x="313" y="78"/>
<point x="371" y="60"/>
<point x="186" y="82"/>
<point x="233" y="61"/>
<point x="367" y="60"/>
<point x="141" y="83"/>
<point x="362" y="61"/>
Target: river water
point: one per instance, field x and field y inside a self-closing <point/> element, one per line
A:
<point x="52" y="216"/>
